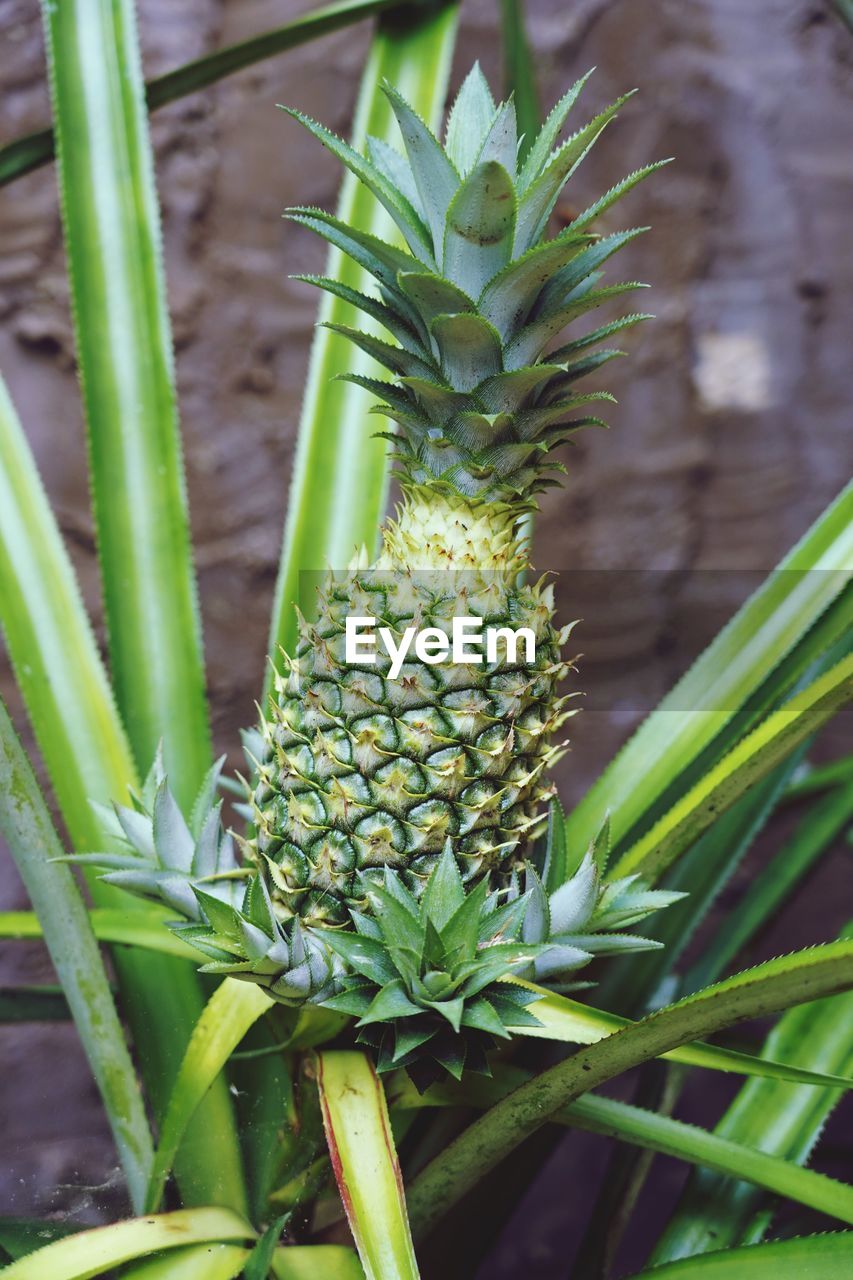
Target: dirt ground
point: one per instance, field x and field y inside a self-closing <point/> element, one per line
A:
<point x="732" y="430"/>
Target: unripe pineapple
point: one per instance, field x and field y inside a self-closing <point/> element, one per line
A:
<point x="361" y="771"/>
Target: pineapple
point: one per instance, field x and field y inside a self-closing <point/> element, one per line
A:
<point x="360" y="771"/>
<point x="408" y="855"/>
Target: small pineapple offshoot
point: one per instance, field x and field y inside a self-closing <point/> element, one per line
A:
<point x="424" y="975"/>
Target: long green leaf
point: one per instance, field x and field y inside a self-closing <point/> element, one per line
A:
<point x="339" y="486"/>
<point x="652" y="1132"/>
<point x="214" y="1166"/>
<point x="313" y="1262"/>
<point x="752" y="759"/>
<point x="631" y="983"/>
<point x="731" y="671"/>
<point x="126" y="360"/>
<point x="33" y="1004"/>
<point x="232" y="1009"/>
<point x="25" y="154"/>
<point x="361" y="1145"/>
<point x="90" y="1253"/>
<point x="124" y="346"/>
<point x="520" y="73"/>
<point x="52" y="647"/>
<point x="26" y="826"/>
<point x="575" y="1023"/>
<point x="823" y="823"/>
<point x="826" y="1257"/>
<point x="132" y="929"/>
<point x="778" y="984"/>
<point x="779" y="1119"/>
<point x="198" y="1262"/>
<point x="688" y="1142"/>
<point x="821" y="778"/>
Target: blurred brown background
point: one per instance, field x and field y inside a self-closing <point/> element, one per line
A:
<point x="731" y="434"/>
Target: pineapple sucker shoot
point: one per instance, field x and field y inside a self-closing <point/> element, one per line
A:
<point x="360" y="771"/>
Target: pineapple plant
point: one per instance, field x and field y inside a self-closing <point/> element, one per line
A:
<point x="385" y="789"/>
<point x="360" y="771"/>
<point x="409" y="931"/>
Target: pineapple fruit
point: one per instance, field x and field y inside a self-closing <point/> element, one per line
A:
<point x="398" y="868"/>
<point x="360" y="771"/>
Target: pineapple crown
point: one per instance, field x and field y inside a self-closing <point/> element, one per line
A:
<point x="424" y="976"/>
<point x="475" y="302"/>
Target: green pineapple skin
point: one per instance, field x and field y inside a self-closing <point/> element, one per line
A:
<point x="363" y="772"/>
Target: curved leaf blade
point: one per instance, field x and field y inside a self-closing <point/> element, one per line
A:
<point x="825" y="1257"/>
<point x="124" y="345"/>
<point x="661" y="1134"/>
<point x="52" y="646"/>
<point x="26" y="826"/>
<point x="142" y="929"/>
<point x="22" y="155"/>
<point x="752" y="759"/>
<point x="233" y="1008"/>
<point x="778" y="984"/>
<point x="89" y="1253"/>
<point x="331" y="1261"/>
<point x="824" y="823"/>
<point x="753" y="648"/>
<point x="198" y="1262"/>
<point x="575" y="1023"/>
<point x="358" y="1131"/>
<point x="779" y="1119"/>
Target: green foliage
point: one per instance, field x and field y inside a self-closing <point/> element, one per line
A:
<point x="361" y="1145"/>
<point x="778" y="984"/>
<point x="124" y="348"/>
<point x="826" y="1257"/>
<point x="25" y="824"/>
<point x="92" y="1253"/>
<point x="435" y="972"/>
<point x="27" y="153"/>
<point x="423" y="977"/>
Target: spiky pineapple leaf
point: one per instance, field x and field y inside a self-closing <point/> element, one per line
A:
<point x="501" y="140"/>
<point x="387" y="316"/>
<point x="469" y="120"/>
<point x="435" y="177"/>
<point x="405" y="216"/>
<point x="397" y="359"/>
<point x="432" y="295"/>
<point x="563" y="281"/>
<point x="540" y="149"/>
<point x="594" y="211"/>
<point x="509" y="297"/>
<point x="388" y="161"/>
<point x="469" y="349"/>
<point x="479" y="229"/>
<point x="538" y="200"/>
<point x="527" y="345"/>
<point x="382" y="260"/>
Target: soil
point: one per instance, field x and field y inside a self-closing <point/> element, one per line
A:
<point x="732" y="430"/>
